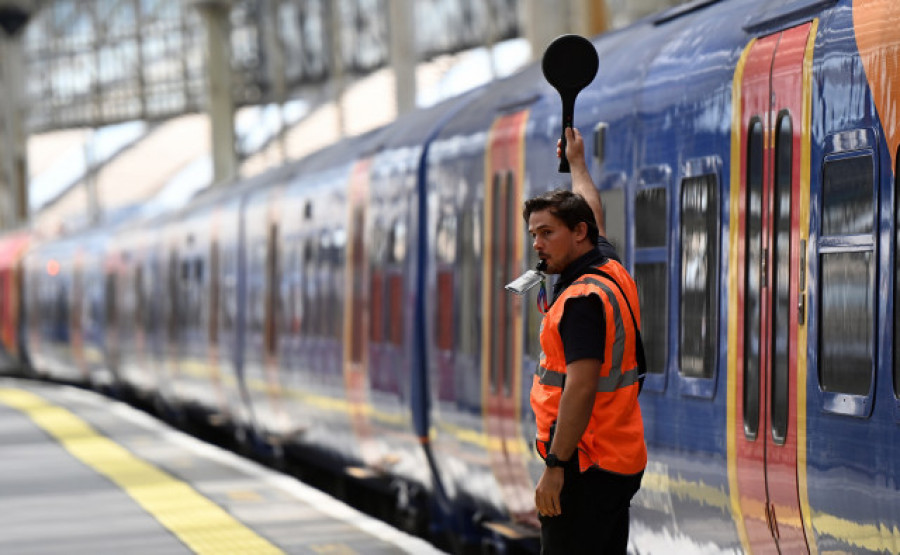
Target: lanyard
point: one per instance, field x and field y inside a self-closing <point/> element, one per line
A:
<point x="542" y="304"/>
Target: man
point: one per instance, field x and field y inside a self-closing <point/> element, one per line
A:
<point x="584" y="393"/>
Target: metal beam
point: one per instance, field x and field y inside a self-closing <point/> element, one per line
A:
<point x="219" y="101"/>
<point x="335" y="19"/>
<point x="14" y="15"/>
<point x="403" y="53"/>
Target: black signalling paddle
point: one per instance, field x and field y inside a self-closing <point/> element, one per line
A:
<point x="570" y="64"/>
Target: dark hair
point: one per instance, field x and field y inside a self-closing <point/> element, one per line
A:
<point x="569" y="207"/>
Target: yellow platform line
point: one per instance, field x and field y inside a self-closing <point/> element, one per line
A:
<point x="197" y="521"/>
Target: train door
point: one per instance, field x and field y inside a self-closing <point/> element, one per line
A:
<point x="273" y="307"/>
<point x="114" y="328"/>
<point x="356" y="310"/>
<point x="10" y="289"/>
<point x="212" y="315"/>
<point x="501" y="355"/>
<point x="78" y="304"/>
<point x="773" y="199"/>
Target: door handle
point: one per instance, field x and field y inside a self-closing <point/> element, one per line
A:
<point x="772" y="521"/>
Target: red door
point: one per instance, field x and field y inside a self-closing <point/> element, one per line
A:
<point x="356" y="310"/>
<point x="10" y="287"/>
<point x="501" y="360"/>
<point x="773" y="200"/>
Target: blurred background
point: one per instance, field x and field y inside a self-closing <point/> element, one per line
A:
<point x="112" y="106"/>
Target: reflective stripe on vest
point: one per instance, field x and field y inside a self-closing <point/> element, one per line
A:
<point x="605" y="384"/>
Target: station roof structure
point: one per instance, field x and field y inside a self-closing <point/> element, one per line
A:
<point x="115" y="83"/>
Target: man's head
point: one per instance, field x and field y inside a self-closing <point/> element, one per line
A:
<point x="563" y="227"/>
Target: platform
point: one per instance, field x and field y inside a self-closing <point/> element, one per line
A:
<point x="80" y="473"/>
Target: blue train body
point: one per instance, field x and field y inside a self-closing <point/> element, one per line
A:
<point x="348" y="308"/>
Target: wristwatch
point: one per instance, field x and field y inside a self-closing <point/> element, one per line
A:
<point x="552" y="461"/>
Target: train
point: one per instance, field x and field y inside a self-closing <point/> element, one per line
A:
<point x="348" y="309"/>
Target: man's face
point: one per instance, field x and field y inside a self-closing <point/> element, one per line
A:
<point x="554" y="242"/>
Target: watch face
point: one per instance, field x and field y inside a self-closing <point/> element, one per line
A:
<point x="552" y="461"/>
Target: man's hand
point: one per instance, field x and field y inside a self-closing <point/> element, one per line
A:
<point x="574" y="149"/>
<point x="546" y="495"/>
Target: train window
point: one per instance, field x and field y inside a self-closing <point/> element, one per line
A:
<point x="328" y="287"/>
<point x="846" y="342"/>
<point x="496" y="265"/>
<point x="650" y="272"/>
<point x="79" y="300"/>
<point x="650" y="278"/>
<point x="784" y="137"/>
<point x="255" y="287"/>
<point x="376" y="305"/>
<point x="752" y="278"/>
<point x="445" y="251"/>
<point x="847" y="265"/>
<point x="397" y="306"/>
<point x="396" y="317"/>
<point x="298" y="278"/>
<point x="337" y="257"/>
<point x="848" y="196"/>
<point x="61" y="302"/>
<point x="398" y="241"/>
<point x="468" y="325"/>
<point x="140" y="298"/>
<point x="109" y="298"/>
<point x="650" y="212"/>
<point x="614" y="218"/>
<point x="149" y="310"/>
<point x="325" y="292"/>
<point x="699" y="260"/>
<point x="196" y="294"/>
<point x="213" y="307"/>
<point x="600" y="142"/>
<point x="444" y="315"/>
<point x="511" y="220"/>
<point x="273" y="299"/>
<point x="377" y="251"/>
<point x="446" y="238"/>
<point x="173" y="296"/>
<point x="309" y="315"/>
<point x="229" y="297"/>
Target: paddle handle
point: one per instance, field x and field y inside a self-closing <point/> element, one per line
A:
<point x="568" y="111"/>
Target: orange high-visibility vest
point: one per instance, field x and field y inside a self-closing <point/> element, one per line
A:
<point x="614" y="437"/>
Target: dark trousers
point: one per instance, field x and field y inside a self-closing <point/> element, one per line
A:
<point x="594" y="517"/>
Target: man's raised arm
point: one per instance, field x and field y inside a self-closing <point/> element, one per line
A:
<point x="582" y="183"/>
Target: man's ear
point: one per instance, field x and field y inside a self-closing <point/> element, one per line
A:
<point x="580" y="231"/>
